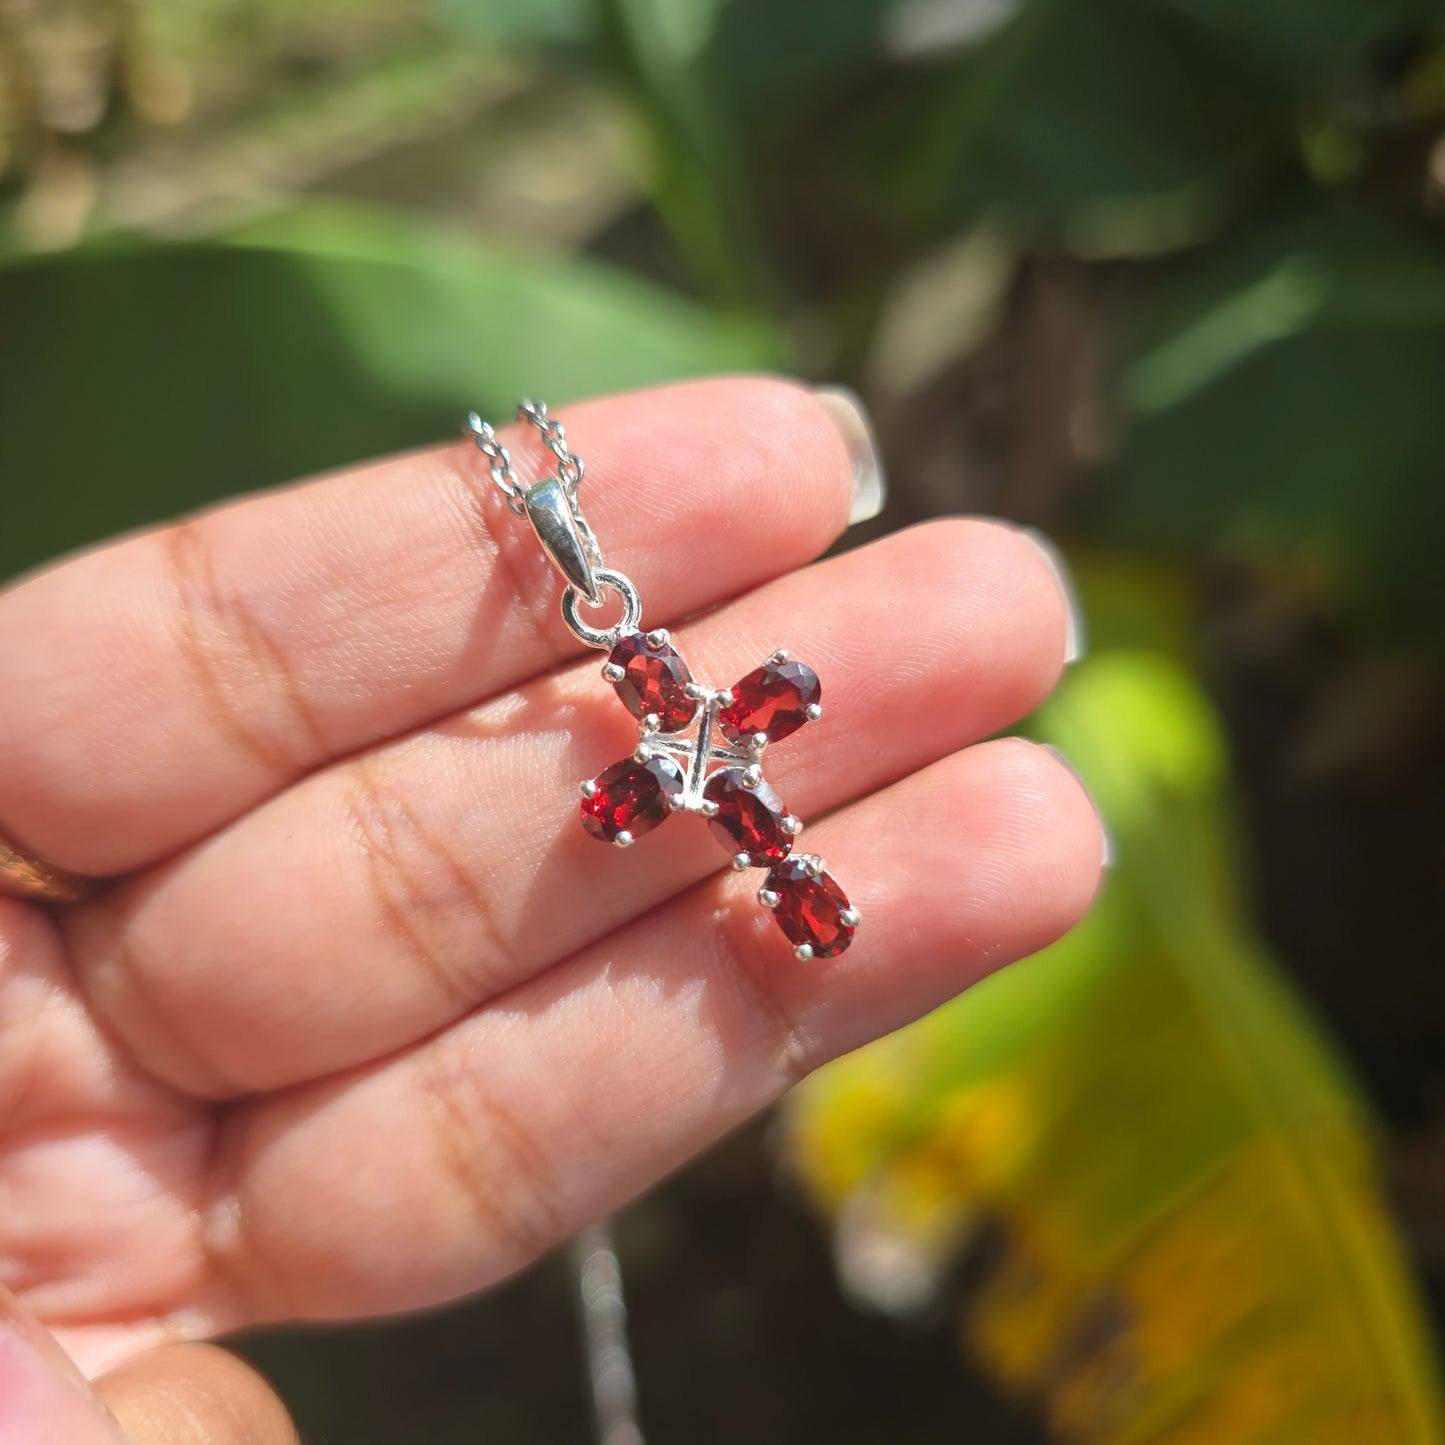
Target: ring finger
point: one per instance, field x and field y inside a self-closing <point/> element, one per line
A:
<point x="393" y="893"/>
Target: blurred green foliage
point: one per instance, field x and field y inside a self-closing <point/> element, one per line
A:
<point x="198" y="370"/>
<point x="1318" y="334"/>
<point x="1162" y="275"/>
<point x="1248" y="187"/>
<point x="1162" y="1174"/>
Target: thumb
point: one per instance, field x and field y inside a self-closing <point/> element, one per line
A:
<point x="193" y="1394"/>
<point x="186" y="1394"/>
<point x="44" y="1399"/>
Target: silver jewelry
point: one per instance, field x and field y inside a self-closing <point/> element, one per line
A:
<point x="699" y="749"/>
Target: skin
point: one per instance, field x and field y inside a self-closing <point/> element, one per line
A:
<point x="365" y="1021"/>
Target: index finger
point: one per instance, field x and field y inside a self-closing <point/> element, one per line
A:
<point x="166" y="684"/>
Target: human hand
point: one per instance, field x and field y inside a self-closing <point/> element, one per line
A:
<point x="365" y="1020"/>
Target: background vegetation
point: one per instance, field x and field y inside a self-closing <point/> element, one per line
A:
<point x="1163" y="277"/>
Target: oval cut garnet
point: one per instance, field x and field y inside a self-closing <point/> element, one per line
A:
<point x="632" y="797"/>
<point x="810" y="910"/>
<point x="748" y="820"/>
<point x="772" y="699"/>
<point x="654" y="680"/>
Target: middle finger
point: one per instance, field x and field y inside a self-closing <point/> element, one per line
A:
<point x="396" y="892"/>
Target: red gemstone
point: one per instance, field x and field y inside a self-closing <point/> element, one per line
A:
<point x="631" y="797"/>
<point x="654" y="680"/>
<point x="748" y="820"/>
<point x="810" y="910"/>
<point x="772" y="699"/>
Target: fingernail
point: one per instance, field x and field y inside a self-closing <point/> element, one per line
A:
<point x="1075" y="641"/>
<point x="1106" y="846"/>
<point x="43" y="1398"/>
<point x="870" y="486"/>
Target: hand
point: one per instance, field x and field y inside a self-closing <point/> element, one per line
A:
<point x="366" y="1021"/>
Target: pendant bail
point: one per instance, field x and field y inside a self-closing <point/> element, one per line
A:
<point x="565" y="536"/>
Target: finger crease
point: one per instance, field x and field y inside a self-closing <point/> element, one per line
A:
<point x="501" y="1171"/>
<point x="392" y="837"/>
<point x="145" y="1011"/>
<point x="215" y="628"/>
<point x="251" y="1289"/>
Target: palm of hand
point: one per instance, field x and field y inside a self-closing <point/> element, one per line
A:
<point x="106" y="1173"/>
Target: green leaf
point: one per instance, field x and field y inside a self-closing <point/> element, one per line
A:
<point x="137" y="381"/>
<point x="1280" y="395"/>
<point x="696" y="173"/>
<point x="1083" y="117"/>
<point x="1158" y="1166"/>
<point x="1120" y="127"/>
<point x="521" y="22"/>
<point x="775" y="60"/>
<point x="1298" y="45"/>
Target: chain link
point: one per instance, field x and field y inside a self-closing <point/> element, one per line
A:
<point x="570" y="467"/>
<point x="554" y="435"/>
<point x="501" y="461"/>
<point x="570" y="471"/>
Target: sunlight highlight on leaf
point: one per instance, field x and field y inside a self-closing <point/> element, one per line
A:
<point x="1137" y="1145"/>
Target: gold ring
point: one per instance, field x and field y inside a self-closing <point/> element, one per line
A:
<point x="25" y="877"/>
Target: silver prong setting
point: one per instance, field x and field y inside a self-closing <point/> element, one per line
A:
<point x="696" y="750"/>
<point x="850" y="918"/>
<point x="803" y="952"/>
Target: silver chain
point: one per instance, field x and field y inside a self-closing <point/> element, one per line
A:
<point x="501" y="459"/>
<point x="554" y="435"/>
<point x="570" y="467"/>
<point x="570" y="471"/>
<point x="604" y="1332"/>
